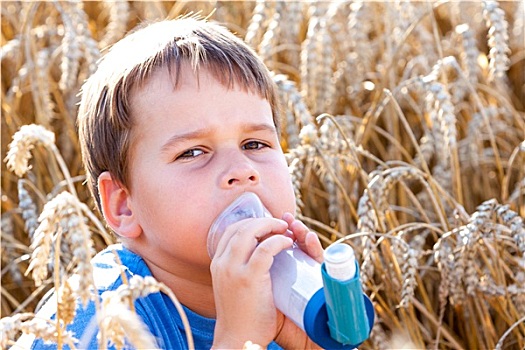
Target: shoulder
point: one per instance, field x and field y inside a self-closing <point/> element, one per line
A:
<point x="110" y="268"/>
<point x="111" y="263"/>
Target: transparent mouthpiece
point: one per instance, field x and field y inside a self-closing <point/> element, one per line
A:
<point x="247" y="205"/>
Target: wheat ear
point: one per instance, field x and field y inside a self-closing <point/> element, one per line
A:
<point x="119" y="12"/>
<point x="271" y="36"/>
<point x="118" y="302"/>
<point x="498" y="39"/>
<point x="29" y="324"/>
<point x="296" y="112"/>
<point x="256" y="28"/>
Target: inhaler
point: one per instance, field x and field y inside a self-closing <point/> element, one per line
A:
<point x="325" y="300"/>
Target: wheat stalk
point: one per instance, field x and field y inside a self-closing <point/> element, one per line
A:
<point x="514" y="155"/>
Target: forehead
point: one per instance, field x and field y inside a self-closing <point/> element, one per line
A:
<point x="194" y="93"/>
<point x="173" y="78"/>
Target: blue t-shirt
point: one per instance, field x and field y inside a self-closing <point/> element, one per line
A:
<point x="156" y="309"/>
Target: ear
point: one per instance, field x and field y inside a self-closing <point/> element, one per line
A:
<point x="116" y="207"/>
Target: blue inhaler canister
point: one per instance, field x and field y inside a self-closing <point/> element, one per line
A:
<point x="339" y="316"/>
<point x="346" y="307"/>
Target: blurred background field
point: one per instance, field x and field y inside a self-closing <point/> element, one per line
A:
<point x="404" y="127"/>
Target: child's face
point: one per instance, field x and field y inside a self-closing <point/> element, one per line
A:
<point x="194" y="150"/>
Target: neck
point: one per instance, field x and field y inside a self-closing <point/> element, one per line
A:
<point x="194" y="293"/>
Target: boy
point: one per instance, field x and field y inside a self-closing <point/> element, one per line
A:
<point x="181" y="118"/>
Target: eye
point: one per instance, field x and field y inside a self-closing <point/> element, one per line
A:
<point x="190" y="153"/>
<point x="254" y="145"/>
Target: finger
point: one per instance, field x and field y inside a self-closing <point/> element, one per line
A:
<point x="288" y="217"/>
<point x="298" y="228"/>
<point x="224" y="240"/>
<point x="262" y="258"/>
<point x="253" y="233"/>
<point x="314" y="247"/>
<point x="240" y="240"/>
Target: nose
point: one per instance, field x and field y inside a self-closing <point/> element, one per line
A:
<point x="239" y="171"/>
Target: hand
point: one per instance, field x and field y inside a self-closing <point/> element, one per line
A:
<point x="242" y="286"/>
<point x="289" y="336"/>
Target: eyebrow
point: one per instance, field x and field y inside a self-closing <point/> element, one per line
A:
<point x="204" y="132"/>
<point x="259" y="127"/>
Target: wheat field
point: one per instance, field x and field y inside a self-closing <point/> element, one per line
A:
<point x="404" y="129"/>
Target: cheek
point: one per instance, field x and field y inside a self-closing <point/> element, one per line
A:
<point x="168" y="202"/>
<point x="283" y="192"/>
<point x="290" y="197"/>
<point x="153" y="195"/>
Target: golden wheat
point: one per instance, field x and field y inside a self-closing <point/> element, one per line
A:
<point x="404" y="129"/>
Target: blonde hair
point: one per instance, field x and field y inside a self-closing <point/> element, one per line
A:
<point x="104" y="119"/>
